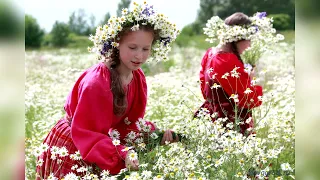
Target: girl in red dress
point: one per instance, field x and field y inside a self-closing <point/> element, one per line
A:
<point x="104" y="105"/>
<point x="226" y="85"/>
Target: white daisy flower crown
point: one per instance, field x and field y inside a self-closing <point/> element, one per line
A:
<point x="216" y="29"/>
<point x="106" y="37"/>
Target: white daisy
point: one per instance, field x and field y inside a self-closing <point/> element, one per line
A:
<point x="51" y="177"/>
<point x="133" y="155"/>
<point x="37" y="151"/>
<point x="63" y="152"/>
<point x="105" y="173"/>
<point x="115" y="44"/>
<point x="53" y="156"/>
<point x="215" y="86"/>
<point x="70" y="176"/>
<point x="248" y="91"/>
<point x="44" y="147"/>
<point x="146" y="174"/>
<point x="82" y="169"/>
<point x="114" y="134"/>
<point x="40" y="162"/>
<point x="158" y="177"/>
<point x="135" y="27"/>
<point x="131" y="135"/>
<point x="234" y="72"/>
<point x="116" y="142"/>
<point x="76" y="156"/>
<point x="74" y="167"/>
<point x="286" y="167"/>
<point x="225" y="76"/>
<point x="139" y="140"/>
<point x="234" y="97"/>
<point x="249" y="120"/>
<point x="126" y="149"/>
<point x="124" y="11"/>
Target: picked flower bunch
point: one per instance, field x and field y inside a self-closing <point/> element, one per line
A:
<point x="106" y="37"/>
<point x="145" y="139"/>
<point x="261" y="33"/>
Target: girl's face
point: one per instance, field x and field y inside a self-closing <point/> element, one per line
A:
<point x="135" y="48"/>
<point x="243" y="45"/>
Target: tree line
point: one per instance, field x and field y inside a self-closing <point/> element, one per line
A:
<point x="80" y="24"/>
<point x="282" y="11"/>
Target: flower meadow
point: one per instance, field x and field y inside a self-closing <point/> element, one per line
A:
<point x="207" y="150"/>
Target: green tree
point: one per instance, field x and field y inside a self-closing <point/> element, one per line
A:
<point x="33" y="33"/>
<point x="209" y="8"/>
<point x="122" y="4"/>
<point x="224" y="8"/>
<point x="308" y="9"/>
<point x="81" y="24"/>
<point x="59" y="34"/>
<point x="280" y="21"/>
<point x="250" y="7"/>
<point x="91" y="28"/>
<point x="192" y="29"/>
<point x="105" y="19"/>
<point x="10" y="22"/>
<point x="78" y="23"/>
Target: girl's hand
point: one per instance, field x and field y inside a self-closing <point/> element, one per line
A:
<point x="167" y="137"/>
<point x="131" y="165"/>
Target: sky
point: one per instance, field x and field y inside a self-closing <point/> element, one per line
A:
<point x="181" y="12"/>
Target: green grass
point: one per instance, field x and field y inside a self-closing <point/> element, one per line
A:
<point x="289" y="36"/>
<point x="79" y="42"/>
<point x="197" y="41"/>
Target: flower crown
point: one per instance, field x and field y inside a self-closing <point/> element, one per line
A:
<point x="260" y="27"/>
<point x="106" y="37"/>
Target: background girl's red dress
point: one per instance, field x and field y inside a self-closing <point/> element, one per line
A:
<point x="213" y="66"/>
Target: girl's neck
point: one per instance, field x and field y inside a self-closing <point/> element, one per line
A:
<point x="226" y="48"/>
<point x="124" y="71"/>
<point x="126" y="74"/>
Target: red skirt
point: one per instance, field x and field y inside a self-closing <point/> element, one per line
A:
<point x="59" y="136"/>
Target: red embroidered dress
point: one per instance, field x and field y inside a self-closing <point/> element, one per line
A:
<point x="214" y="67"/>
<point x="89" y="108"/>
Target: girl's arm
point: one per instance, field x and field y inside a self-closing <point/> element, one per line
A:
<point x="90" y="124"/>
